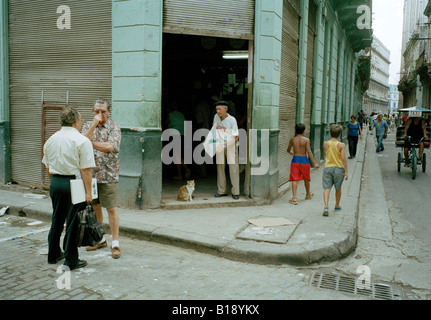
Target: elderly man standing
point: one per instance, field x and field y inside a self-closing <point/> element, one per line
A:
<point x="66" y="154"/>
<point x="105" y="135"/>
<point x="227" y="133"/>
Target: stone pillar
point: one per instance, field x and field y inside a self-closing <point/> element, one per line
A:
<point x="302" y="62"/>
<point x="5" y="168"/>
<point x="136" y="98"/>
<point x="266" y="95"/>
<point x="318" y="84"/>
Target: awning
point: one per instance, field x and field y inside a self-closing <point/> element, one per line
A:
<point x="348" y="16"/>
<point x="415" y="109"/>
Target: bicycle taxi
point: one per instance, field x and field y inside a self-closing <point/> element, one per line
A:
<point x="413" y="160"/>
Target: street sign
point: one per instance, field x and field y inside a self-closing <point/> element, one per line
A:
<point x="415" y="114"/>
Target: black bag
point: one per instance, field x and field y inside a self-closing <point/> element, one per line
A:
<point x="90" y="232"/>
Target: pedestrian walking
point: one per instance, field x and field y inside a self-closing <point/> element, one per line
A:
<point x="381" y="131"/>
<point x="354" y="131"/>
<point x="361" y="118"/>
<point x="66" y="155"/>
<point x="105" y="135"/>
<point x="335" y="167"/>
<point x="300" y="166"/>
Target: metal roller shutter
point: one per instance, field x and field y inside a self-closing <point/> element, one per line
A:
<point x="55" y="61"/>
<point x="288" y="86"/>
<point x="221" y="18"/>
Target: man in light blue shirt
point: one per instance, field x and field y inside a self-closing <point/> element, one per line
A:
<point x="381" y="131"/>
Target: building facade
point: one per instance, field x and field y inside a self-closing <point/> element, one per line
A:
<point x="414" y="81"/>
<point x="298" y="63"/>
<point x="376" y="97"/>
<point x="393" y="98"/>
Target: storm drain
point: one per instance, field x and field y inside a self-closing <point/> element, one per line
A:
<point x="349" y="284"/>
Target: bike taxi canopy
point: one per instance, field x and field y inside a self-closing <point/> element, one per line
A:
<point x="415" y="111"/>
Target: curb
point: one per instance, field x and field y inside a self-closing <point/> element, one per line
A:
<point x="258" y="252"/>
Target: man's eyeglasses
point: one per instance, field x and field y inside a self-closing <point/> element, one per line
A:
<point x="100" y="111"/>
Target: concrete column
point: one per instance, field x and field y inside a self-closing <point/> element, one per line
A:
<point x="266" y="95"/>
<point x="5" y="168"/>
<point x="340" y="80"/>
<point x="302" y="62"/>
<point x="136" y="98"/>
<point x="318" y="83"/>
<point x="326" y="70"/>
<point x="332" y="85"/>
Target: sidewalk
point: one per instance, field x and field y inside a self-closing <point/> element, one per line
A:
<point x="226" y="231"/>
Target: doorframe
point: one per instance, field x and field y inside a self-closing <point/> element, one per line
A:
<point x="247" y="186"/>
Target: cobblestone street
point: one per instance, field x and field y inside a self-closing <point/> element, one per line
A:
<point x="145" y="270"/>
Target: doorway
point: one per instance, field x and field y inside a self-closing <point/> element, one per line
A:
<point x="197" y="71"/>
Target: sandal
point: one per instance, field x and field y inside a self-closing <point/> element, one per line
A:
<point x="310" y="196"/>
<point x="293" y="201"/>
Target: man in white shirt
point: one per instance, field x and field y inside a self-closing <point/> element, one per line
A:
<point x="226" y="149"/>
<point x="66" y="154"/>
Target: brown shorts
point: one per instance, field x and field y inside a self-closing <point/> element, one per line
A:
<point x="107" y="195"/>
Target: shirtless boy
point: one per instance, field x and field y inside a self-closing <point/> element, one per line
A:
<point x="300" y="166"/>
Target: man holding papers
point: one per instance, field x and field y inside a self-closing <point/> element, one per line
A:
<point x="66" y="154"/>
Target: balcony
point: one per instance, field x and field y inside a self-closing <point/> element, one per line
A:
<point x="348" y="17"/>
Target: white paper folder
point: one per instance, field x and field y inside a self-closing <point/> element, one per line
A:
<point x="77" y="190"/>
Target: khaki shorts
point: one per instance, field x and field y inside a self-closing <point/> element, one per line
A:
<point x="333" y="176"/>
<point x="107" y="195"/>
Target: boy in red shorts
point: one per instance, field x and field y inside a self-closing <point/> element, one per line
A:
<point x="300" y="166"/>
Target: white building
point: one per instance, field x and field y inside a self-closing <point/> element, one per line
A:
<point x="376" y="97"/>
<point x="393" y="97"/>
<point x="414" y="88"/>
<point x="414" y="19"/>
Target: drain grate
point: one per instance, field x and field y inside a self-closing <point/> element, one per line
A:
<point x="348" y="284"/>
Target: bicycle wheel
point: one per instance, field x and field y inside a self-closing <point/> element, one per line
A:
<point x="414" y="166"/>
<point x="424" y="162"/>
<point x="400" y="159"/>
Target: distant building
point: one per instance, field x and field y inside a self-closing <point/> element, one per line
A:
<point x="376" y="97"/>
<point x="393" y="97"/>
<point x="414" y="81"/>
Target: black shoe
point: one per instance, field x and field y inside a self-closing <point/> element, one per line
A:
<point x="236" y="197"/>
<point x="218" y="195"/>
<point x="60" y="257"/>
<point x="79" y="264"/>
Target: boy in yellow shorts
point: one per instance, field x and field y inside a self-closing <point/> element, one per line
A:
<point x="335" y="167"/>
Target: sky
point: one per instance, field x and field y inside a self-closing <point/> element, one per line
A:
<point x="387" y="26"/>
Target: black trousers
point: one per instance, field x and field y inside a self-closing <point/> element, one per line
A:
<point x="63" y="210"/>
<point x="353" y="144"/>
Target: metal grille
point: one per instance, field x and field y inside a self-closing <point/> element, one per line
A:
<point x="221" y="18"/>
<point x="348" y="284"/>
<point x="70" y="66"/>
<point x="288" y="88"/>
